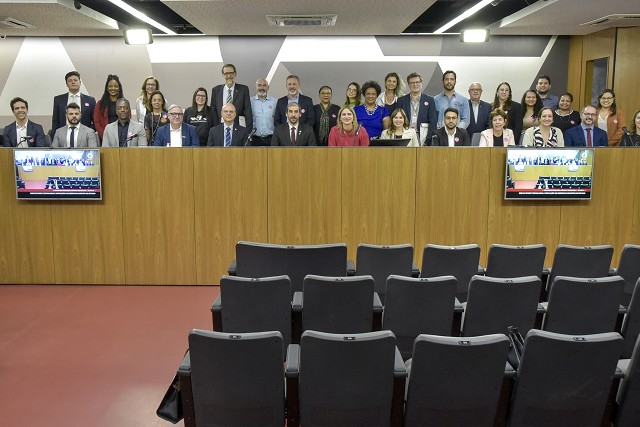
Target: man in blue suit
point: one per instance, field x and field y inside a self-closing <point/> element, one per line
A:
<point x="228" y="133"/>
<point x="177" y="134"/>
<point x="420" y="109"/>
<point x="479" y="110"/>
<point x="307" y="115"/>
<point x="87" y="103"/>
<point x="586" y="134"/>
<point x="22" y="133"/>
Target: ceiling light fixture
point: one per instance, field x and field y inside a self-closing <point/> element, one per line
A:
<point x="464" y="15"/>
<point x="474" y="35"/>
<point x="138" y="36"/>
<point x="141" y="16"/>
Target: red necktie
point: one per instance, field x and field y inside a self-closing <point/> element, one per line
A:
<point x="293" y="136"/>
<point x="589" y="141"/>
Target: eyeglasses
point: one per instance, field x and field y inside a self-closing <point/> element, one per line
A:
<point x="151" y="84"/>
<point x="475" y="90"/>
<point x="175" y="114"/>
<point x="229" y="74"/>
<point x="201" y="96"/>
<point x="589" y="114"/>
<point x="606" y="98"/>
<point x="415" y="83"/>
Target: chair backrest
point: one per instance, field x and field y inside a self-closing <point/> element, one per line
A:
<point x="631" y="323"/>
<point x="581" y="261"/>
<point x="418" y="306"/>
<point x="458" y="261"/>
<point x="564" y="379"/>
<point x="515" y="261"/>
<point x="494" y="304"/>
<point x="629" y="269"/>
<point x="583" y="306"/>
<point x="260" y="259"/>
<point x="338" y="305"/>
<point x="475" y="139"/>
<point x="346" y="380"/>
<point x="628" y="412"/>
<point x="237" y="379"/>
<point x="382" y="261"/>
<point x="256" y="305"/>
<point x="455" y="381"/>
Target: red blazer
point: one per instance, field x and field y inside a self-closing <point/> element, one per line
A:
<point x="615" y="123"/>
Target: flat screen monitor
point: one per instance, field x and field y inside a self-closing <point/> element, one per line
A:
<point x="57" y="174"/>
<point x="393" y="142"/>
<point x="548" y="173"/>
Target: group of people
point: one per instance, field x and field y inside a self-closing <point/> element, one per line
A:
<point x="232" y="117"/>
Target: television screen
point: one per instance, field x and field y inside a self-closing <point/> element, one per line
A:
<point x="65" y="174"/>
<point x="548" y="173"/>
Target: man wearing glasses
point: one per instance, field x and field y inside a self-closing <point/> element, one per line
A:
<point x="420" y="109"/>
<point x="177" y="134"/>
<point x="479" y="110"/>
<point x="586" y="134"/>
<point x="232" y="93"/>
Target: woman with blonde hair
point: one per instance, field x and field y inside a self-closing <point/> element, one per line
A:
<point x="399" y="129"/>
<point x="149" y="85"/>
<point x="354" y="97"/>
<point x="393" y="89"/>
<point x="348" y="132"/>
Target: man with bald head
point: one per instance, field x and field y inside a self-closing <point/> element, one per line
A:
<point x="228" y="133"/>
<point x="479" y="110"/>
<point x="263" y="107"/>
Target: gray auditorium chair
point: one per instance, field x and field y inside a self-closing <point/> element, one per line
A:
<point x="475" y="139"/>
<point x="354" y="380"/>
<point x="631" y="323"/>
<point x="564" y="380"/>
<point x="455" y="381"/>
<point x="515" y="261"/>
<point x="494" y="304"/>
<point x="339" y="305"/>
<point x="253" y="305"/>
<point x="628" y="397"/>
<point x="458" y="261"/>
<point x="234" y="380"/>
<point x="259" y="260"/>
<point x="583" y="306"/>
<point x="629" y="269"/>
<point x="418" y="306"/>
<point x="382" y="261"/>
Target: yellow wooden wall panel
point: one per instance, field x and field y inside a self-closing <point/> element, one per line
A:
<point x="26" y="249"/>
<point x="304" y="195"/>
<point x="626" y="84"/>
<point x="230" y="194"/>
<point x="158" y="215"/>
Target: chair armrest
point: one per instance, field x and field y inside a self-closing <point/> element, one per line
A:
<point x="297" y="302"/>
<point x="458" y="310"/>
<point x="481" y="271"/>
<point x="377" y="303"/>
<point x="613" y="271"/>
<point x="399" y="368"/>
<point x="458" y="307"/>
<point x="376" y="323"/>
<point x="509" y="372"/>
<point x="296" y="316"/>
<point x="415" y="271"/>
<point x="233" y="268"/>
<point x="185" y="365"/>
<point x="292" y="369"/>
<point x="186" y="391"/>
<point x="542" y="308"/>
<point x="292" y="374"/>
<point x="216" y="313"/>
<point x="351" y="268"/>
<point x="399" y="384"/>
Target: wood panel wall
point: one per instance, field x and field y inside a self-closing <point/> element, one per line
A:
<point x="173" y="216"/>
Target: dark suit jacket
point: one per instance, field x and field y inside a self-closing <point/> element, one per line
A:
<point x="333" y="120"/>
<point x="427" y="113"/>
<point x="189" y="136"/>
<point x="241" y="100"/>
<point x="480" y="123"/>
<point x="514" y="117"/>
<point x="59" y="116"/>
<point x="574" y="137"/>
<point x="9" y="138"/>
<point x="307" y="115"/>
<point x="442" y="139"/>
<point x="282" y="135"/>
<point x="238" y="136"/>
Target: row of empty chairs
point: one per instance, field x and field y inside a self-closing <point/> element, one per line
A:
<point x="73" y="182"/>
<point x="359" y="380"/>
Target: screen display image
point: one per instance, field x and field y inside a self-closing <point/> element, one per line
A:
<point x="58" y="174"/>
<point x="548" y="173"/>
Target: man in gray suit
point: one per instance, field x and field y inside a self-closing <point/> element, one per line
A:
<point x="74" y="134"/>
<point x="124" y="132"/>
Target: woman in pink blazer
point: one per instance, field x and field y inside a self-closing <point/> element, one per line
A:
<point x="498" y="135"/>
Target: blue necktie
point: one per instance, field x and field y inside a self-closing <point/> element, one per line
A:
<point x="227" y="138"/>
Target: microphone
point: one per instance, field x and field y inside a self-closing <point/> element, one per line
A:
<point x="250" y="137"/>
<point x="27" y="139"/>
<point x="358" y="130"/>
<point x="624" y="130"/>
<point x="435" y="138"/>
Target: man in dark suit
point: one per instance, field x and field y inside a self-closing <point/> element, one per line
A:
<point x="22" y="133"/>
<point x="427" y="117"/>
<point x="479" y="110"/>
<point x="307" y="115"/>
<point x="87" y="103"/>
<point x="586" y="134"/>
<point x="177" y="134"/>
<point x="228" y="134"/>
<point x="293" y="132"/>
<point x="450" y="135"/>
<point x="231" y="93"/>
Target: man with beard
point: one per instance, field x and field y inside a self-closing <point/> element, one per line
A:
<point x="293" y="132"/>
<point x="23" y="133"/>
<point x="543" y="87"/>
<point x="449" y="98"/>
<point x="263" y="108"/>
<point x="74" y="134"/>
<point x="450" y="135"/>
<point x="124" y="132"/>
<point x="305" y="104"/>
<point x="586" y="134"/>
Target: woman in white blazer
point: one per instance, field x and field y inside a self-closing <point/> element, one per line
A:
<point x="399" y="128"/>
<point x="498" y="135"/>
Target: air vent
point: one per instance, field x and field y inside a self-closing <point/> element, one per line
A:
<point x="302" y="20"/>
<point x="620" y="20"/>
<point x="8" y="22"/>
